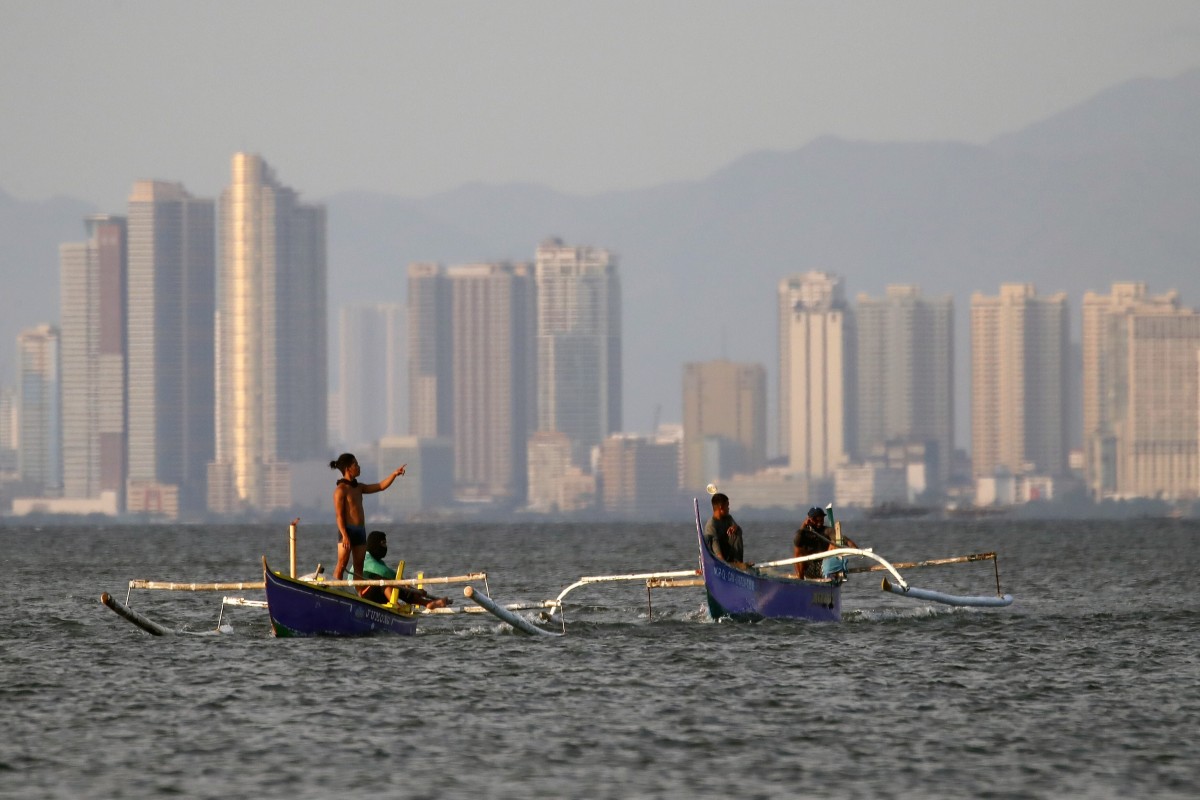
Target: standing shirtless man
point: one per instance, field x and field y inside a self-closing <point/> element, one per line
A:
<point x="348" y="508"/>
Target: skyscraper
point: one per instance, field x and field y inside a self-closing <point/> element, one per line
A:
<point x="492" y="317"/>
<point x="39" y="445"/>
<point x="906" y="372"/>
<point x="271" y="338"/>
<point x="93" y="350"/>
<point x="724" y="420"/>
<point x="1019" y="382"/>
<point x="430" y="377"/>
<point x="172" y="286"/>
<point x="1141" y="406"/>
<point x="9" y="433"/>
<point x="578" y="345"/>
<point x="472" y="373"/>
<point x="373" y="378"/>
<point x="818" y="373"/>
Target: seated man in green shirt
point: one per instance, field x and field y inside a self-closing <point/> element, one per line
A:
<point x="374" y="568"/>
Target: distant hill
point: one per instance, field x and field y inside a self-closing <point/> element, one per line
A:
<point x="1108" y="190"/>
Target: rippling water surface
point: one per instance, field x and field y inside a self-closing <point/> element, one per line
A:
<point x="1088" y="686"/>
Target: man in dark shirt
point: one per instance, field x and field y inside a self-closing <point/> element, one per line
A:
<point x="810" y="539"/>
<point x="815" y="537"/>
<point x="723" y="535"/>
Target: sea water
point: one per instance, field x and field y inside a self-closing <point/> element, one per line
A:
<point x="1087" y="686"/>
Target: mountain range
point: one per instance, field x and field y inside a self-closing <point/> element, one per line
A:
<point x="1107" y="190"/>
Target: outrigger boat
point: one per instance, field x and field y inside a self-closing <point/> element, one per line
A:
<point x="305" y="608"/>
<point x="763" y="591"/>
<point x="306" y="605"/>
<point x="758" y="593"/>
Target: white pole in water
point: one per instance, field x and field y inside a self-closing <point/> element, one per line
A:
<point x="292" y="543"/>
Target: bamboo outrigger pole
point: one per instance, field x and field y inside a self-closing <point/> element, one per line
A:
<point x="937" y="562"/>
<point x="240" y="586"/>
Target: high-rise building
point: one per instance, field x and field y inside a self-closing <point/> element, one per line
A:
<point x="39" y="439"/>
<point x="1141" y="408"/>
<point x="906" y="372"/>
<point x="9" y="433"/>
<point x="639" y="477"/>
<point x="373" y="379"/>
<point x="724" y="421"/>
<point x="472" y="372"/>
<point x="1019" y="382"/>
<point x="271" y="337"/>
<point x="491" y="353"/>
<point x="430" y="377"/>
<point x="93" y="320"/>
<point x="578" y="345"/>
<point x="817" y="374"/>
<point x="172" y="286"/>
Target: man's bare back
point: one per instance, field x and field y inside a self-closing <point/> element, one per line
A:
<point x="348" y="511"/>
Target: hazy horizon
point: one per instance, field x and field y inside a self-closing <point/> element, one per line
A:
<point x="417" y="99"/>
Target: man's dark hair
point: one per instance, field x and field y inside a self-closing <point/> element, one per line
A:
<point x="374" y="539"/>
<point x="719" y="498"/>
<point x="342" y="462"/>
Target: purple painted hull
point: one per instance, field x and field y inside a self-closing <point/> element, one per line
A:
<point x="301" y="609"/>
<point x="747" y="595"/>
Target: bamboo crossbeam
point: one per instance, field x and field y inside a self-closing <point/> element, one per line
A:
<point x="673" y="583"/>
<point x="242" y="586"/>
<point x="640" y="576"/>
<point x="933" y="562"/>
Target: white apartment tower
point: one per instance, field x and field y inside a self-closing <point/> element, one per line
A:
<point x="906" y="371"/>
<point x="492" y="318"/>
<point x="93" y="304"/>
<point x="271" y="339"/>
<point x="172" y="286"/>
<point x="817" y="374"/>
<point x="1141" y="406"/>
<point x="1019" y="382"/>
<point x="578" y="345"/>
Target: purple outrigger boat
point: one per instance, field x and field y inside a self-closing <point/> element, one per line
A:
<point x="748" y="595"/>
<point x="298" y="608"/>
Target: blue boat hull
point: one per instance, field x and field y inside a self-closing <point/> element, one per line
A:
<point x="747" y="595"/>
<point x="301" y="609"/>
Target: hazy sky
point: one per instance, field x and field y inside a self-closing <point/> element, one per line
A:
<point x="415" y="98"/>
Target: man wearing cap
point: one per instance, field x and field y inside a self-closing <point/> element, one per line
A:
<point x="810" y="539"/>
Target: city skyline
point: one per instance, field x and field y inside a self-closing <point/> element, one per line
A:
<point x="1019" y="360"/>
<point x="821" y="210"/>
